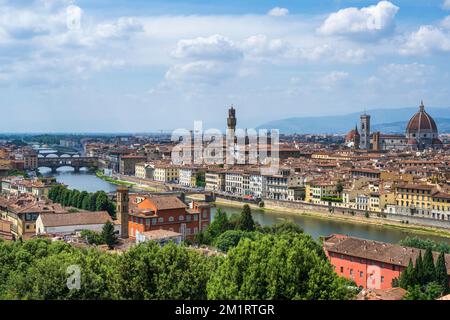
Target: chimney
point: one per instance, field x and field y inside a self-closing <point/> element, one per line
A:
<point x="122" y="210"/>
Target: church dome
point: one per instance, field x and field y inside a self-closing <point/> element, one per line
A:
<point x="421" y="122"/>
<point x="351" y="135"/>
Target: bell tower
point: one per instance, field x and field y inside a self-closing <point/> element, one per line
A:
<point x="231" y="121"/>
<point x="122" y="210"/>
<point x="365" y="132"/>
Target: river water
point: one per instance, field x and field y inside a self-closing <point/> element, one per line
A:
<point x="317" y="227"/>
<point x="83" y="181"/>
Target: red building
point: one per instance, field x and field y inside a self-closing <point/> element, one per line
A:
<point x="148" y="213"/>
<point x="370" y="264"/>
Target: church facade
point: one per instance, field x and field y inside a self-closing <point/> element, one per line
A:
<point x="421" y="133"/>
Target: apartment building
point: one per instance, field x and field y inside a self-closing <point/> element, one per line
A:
<point x="215" y="180"/>
<point x="188" y="176"/>
<point x="144" y="170"/>
<point x="166" y="173"/>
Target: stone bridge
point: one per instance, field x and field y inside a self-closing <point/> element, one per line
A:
<point x="75" y="162"/>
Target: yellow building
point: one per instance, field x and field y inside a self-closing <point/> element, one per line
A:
<point x="414" y="196"/>
<point x="166" y="173"/>
<point x="379" y="200"/>
<point x="441" y="202"/>
<point x="315" y="191"/>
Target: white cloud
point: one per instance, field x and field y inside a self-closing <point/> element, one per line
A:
<point x="368" y="21"/>
<point x="200" y="72"/>
<point x="335" y="76"/>
<point x="215" y="47"/>
<point x="408" y="73"/>
<point x="278" y="12"/>
<point x="260" y="47"/>
<point x="427" y="39"/>
<point x="446" y="5"/>
<point x="124" y="26"/>
<point x="445" y="23"/>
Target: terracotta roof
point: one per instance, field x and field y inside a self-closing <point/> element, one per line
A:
<point x="160" y="234"/>
<point x="421" y="121"/>
<point x="377" y="251"/>
<point x="378" y="294"/>
<point x="166" y="203"/>
<point x="77" y="218"/>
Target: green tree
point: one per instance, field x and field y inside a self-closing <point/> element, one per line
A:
<point x="86" y="205"/>
<point x="230" y="239"/>
<point x="429" y="270"/>
<point x="75" y="198"/>
<point x="419" y="270"/>
<point x="92" y="237"/>
<point x="109" y="235"/>
<point x="276" y="267"/>
<point x="101" y="203"/>
<point x="420" y="243"/>
<point x="81" y="199"/>
<point x="282" y="227"/>
<point x="245" y="222"/>
<point x="219" y="225"/>
<point x="441" y="273"/>
<point x="93" y="201"/>
<point x="408" y="277"/>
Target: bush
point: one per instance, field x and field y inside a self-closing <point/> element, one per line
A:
<point x="92" y="237"/>
<point x="231" y="238"/>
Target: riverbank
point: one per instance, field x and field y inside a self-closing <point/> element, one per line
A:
<point x="417" y="229"/>
<point x="119" y="182"/>
<point x="100" y="175"/>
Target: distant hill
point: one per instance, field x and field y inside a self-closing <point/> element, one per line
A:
<point x="443" y="125"/>
<point x="384" y="120"/>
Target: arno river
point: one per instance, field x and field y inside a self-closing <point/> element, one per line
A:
<point x="314" y="226"/>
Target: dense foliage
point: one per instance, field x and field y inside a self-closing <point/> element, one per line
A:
<point x="420" y="243"/>
<point x="284" y="266"/>
<point x="279" y="262"/>
<point x="37" y="269"/>
<point x="97" y="201"/>
<point x="424" y="280"/>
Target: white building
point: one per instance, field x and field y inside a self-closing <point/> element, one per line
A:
<point x="70" y="223"/>
<point x="144" y="170"/>
<point x="234" y="182"/>
<point x="215" y="181"/>
<point x="188" y="177"/>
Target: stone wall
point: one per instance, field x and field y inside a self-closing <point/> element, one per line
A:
<point x="306" y="207"/>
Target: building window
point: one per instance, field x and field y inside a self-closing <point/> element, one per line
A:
<point x="361" y="274"/>
<point x="154" y="221"/>
<point x="147" y="222"/>
<point x="382" y="279"/>
<point x="342" y="269"/>
<point x="180" y="218"/>
<point x="171" y="219"/>
<point x="161" y="220"/>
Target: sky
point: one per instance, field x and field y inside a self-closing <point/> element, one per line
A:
<point x="145" y="66"/>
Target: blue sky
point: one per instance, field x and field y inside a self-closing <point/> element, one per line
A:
<point x="99" y="65"/>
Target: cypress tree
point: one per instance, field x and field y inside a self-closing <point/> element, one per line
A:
<point x="429" y="270"/>
<point x="419" y="270"/>
<point x="246" y="222"/>
<point x="441" y="273"/>
<point x="407" y="278"/>
<point x="109" y="235"/>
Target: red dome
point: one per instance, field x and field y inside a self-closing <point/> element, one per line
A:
<point x="421" y="121"/>
<point x="351" y="135"/>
